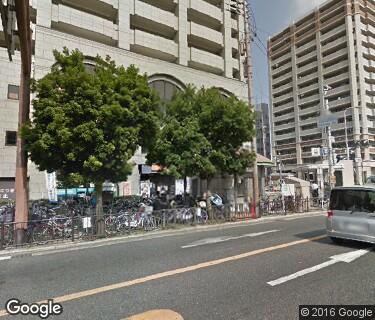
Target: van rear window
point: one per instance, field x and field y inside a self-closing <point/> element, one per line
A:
<point x="353" y="200"/>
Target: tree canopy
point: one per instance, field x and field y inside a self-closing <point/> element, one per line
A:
<point x="86" y="125"/>
<point x="203" y="134"/>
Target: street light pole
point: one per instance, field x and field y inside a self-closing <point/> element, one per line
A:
<point x="330" y="153"/>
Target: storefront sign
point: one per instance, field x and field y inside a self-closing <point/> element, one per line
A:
<point x="7" y="190"/>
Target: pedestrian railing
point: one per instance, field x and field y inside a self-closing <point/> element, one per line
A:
<point x="281" y="207"/>
<point x="67" y="224"/>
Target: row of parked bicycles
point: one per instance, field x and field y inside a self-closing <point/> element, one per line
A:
<point x="75" y="220"/>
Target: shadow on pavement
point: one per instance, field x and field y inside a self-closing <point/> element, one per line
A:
<point x="327" y="241"/>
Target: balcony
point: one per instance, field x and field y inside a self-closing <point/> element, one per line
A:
<point x="281" y="59"/>
<point x="234" y="24"/>
<point x="308" y="132"/>
<point x="287" y="156"/>
<point x="107" y="9"/>
<point x="288" y="116"/>
<point x="335" y="68"/>
<point x="206" y="61"/>
<point x="282" y="78"/>
<point x="285" y="87"/>
<point x="310" y="77"/>
<point x="305" y="57"/>
<point x="339" y="90"/>
<point x="206" y="38"/>
<point x="334" y="32"/>
<point x="205" y="13"/>
<point x="285" y="136"/>
<point x="309" y="110"/>
<point x="309" y="89"/>
<point x="83" y="24"/>
<point x="151" y="18"/>
<point x="154" y="46"/>
<point x="344" y="77"/>
<point x="283" y="107"/>
<point x="306" y="46"/>
<point x="336" y="55"/>
<point x="282" y="69"/>
<point x="315" y="98"/>
<point x="284" y="126"/>
<point x="333" y="44"/>
<point x="339" y="102"/>
<point x="235" y="44"/>
<point x="284" y="97"/>
<point x="308" y="67"/>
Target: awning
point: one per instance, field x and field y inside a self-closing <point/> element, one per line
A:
<point x="262" y="161"/>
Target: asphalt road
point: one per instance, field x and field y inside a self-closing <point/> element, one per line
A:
<point x="214" y="274"/>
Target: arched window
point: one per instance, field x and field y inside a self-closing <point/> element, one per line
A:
<point x="165" y="85"/>
<point x="165" y="89"/>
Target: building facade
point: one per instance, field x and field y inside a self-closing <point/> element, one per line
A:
<point x="333" y="47"/>
<point x="176" y="42"/>
<point x="263" y="130"/>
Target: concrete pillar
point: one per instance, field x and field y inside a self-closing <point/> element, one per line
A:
<point x="227" y="35"/>
<point x="183" y="31"/>
<point x="125" y="9"/>
<point x="241" y="30"/>
<point x="353" y="85"/>
<point x="320" y="69"/>
<point x="361" y="83"/>
<point x="296" y="98"/>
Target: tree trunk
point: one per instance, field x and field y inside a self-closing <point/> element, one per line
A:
<point x="235" y="185"/>
<point x="100" y="232"/>
<point x="208" y="201"/>
<point x="185" y="186"/>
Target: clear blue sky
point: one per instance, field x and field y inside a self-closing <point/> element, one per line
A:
<point x="271" y="17"/>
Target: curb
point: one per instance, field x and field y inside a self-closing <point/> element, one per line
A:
<point x="8" y="254"/>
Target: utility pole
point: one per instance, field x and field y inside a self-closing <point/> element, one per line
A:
<point x="278" y="161"/>
<point x="243" y="7"/>
<point x="24" y="33"/>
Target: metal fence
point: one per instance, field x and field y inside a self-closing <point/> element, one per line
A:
<point x="74" y="228"/>
<point x="64" y="223"/>
<point x="280" y="207"/>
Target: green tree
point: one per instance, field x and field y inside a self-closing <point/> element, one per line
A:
<point x="87" y="124"/>
<point x="222" y="124"/>
<point x="182" y="149"/>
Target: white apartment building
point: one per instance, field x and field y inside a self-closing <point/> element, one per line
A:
<point x="176" y="42"/>
<point x="332" y="45"/>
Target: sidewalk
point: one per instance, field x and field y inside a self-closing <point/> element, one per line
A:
<point x="79" y="245"/>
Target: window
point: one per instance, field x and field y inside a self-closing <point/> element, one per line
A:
<point x="11" y="138"/>
<point x="13" y="92"/>
<point x="353" y="200"/>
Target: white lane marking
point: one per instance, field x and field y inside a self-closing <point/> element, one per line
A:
<point x="225" y="238"/>
<point x="344" y="257"/>
<point x="5" y="258"/>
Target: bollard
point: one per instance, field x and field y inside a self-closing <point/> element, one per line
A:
<point x="163" y="221"/>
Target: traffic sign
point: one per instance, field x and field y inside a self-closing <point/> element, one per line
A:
<point x="327" y="119"/>
<point x="315" y="152"/>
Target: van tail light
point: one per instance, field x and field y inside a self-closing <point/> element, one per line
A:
<point x="329" y="213"/>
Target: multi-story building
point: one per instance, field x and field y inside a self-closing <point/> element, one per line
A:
<point x="176" y="42"/>
<point x="263" y="130"/>
<point x="334" y="46"/>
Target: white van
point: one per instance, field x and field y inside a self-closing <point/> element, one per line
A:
<point x="351" y="214"/>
